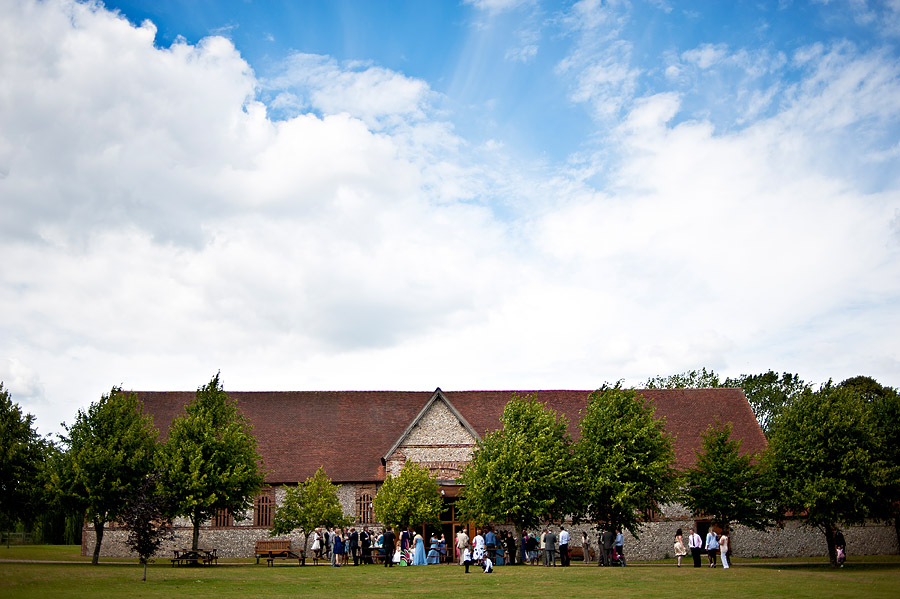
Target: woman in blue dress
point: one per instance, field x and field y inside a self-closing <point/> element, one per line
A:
<point x="434" y="554"/>
<point x="337" y="548"/>
<point x="419" y="551"/>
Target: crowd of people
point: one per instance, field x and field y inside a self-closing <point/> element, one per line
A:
<point x="344" y="546"/>
<point x="488" y="547"/>
<point x="714" y="545"/>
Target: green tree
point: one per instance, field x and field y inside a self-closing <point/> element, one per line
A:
<point x="884" y="402"/>
<point x="690" y="379"/>
<point x="146" y="518"/>
<point x="825" y="455"/>
<point x="211" y="459"/>
<point x="524" y="472"/>
<point x="109" y="450"/>
<point x="624" y="459"/>
<point x="768" y="393"/>
<point x="308" y="505"/>
<point x="61" y="522"/>
<point x="410" y="498"/>
<point x="21" y="458"/>
<point x="726" y="485"/>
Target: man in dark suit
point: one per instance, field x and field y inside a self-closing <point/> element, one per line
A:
<point x="365" y="543"/>
<point x="607" y="538"/>
<point x="354" y="546"/>
<point x="389" y="541"/>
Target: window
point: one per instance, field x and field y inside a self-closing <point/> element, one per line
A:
<point x="223" y="519"/>
<point x="364" y="508"/>
<point x="263" y="509"/>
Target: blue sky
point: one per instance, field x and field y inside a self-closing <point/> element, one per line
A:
<point x="496" y="194"/>
<point x="498" y="69"/>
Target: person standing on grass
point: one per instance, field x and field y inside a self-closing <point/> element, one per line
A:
<point x="840" y="548"/>
<point x="550" y="545"/>
<point x="365" y="544"/>
<point x="563" y="546"/>
<point x="478" y="547"/>
<point x="544" y="547"/>
<point x="607" y="539"/>
<point x="680" y="551"/>
<point x="354" y="545"/>
<point x="317" y="544"/>
<point x="586" y="547"/>
<point x="712" y="546"/>
<point x="620" y="546"/>
<point x="723" y="548"/>
<point x="466" y="557"/>
<point x="337" y="547"/>
<point x="490" y="542"/>
<point x="695" y="544"/>
<point x="462" y="542"/>
<point x="511" y="549"/>
<point x="389" y="541"/>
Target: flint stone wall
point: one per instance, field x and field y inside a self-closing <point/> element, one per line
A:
<point x="656" y="540"/>
<point x="438" y="440"/>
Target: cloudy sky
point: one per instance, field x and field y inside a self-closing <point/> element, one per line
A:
<point x="485" y="194"/>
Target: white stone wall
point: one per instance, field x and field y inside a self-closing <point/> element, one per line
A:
<point x="655" y="542"/>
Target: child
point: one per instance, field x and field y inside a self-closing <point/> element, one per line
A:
<point x="487" y="565"/>
<point x="467" y="559"/>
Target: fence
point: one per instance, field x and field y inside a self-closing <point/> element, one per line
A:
<point x="18" y="538"/>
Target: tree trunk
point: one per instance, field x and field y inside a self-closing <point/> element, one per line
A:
<point x="195" y="538"/>
<point x="829" y="539"/>
<point x="98" y="538"/>
<point x="520" y="532"/>
<point x="897" y="529"/>
<point x="145" y="571"/>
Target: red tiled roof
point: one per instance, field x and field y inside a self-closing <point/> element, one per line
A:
<point x="348" y="432"/>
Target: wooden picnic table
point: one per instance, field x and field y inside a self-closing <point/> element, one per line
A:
<point x="205" y="557"/>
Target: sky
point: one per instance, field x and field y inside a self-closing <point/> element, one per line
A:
<point x="475" y="194"/>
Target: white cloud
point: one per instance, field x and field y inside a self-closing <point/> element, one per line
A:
<point x="159" y="224"/>
<point x="496" y="7"/>
<point x="375" y="95"/>
<point x="706" y="55"/>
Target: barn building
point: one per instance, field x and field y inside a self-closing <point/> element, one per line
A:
<point x="361" y="436"/>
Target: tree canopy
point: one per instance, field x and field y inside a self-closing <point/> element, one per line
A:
<point x="109" y="450"/>
<point x="730" y="487"/>
<point x="523" y="472"/>
<point x="211" y="459"/>
<point x="22" y="454"/>
<point x="624" y="459"/>
<point x="826" y="458"/>
<point x="768" y="393"/>
<point x="310" y="504"/>
<point x="409" y="499"/>
<point x="884" y="402"/>
<point x="690" y="379"/>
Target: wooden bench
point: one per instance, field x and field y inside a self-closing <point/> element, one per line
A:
<point x="578" y="553"/>
<point x="278" y="549"/>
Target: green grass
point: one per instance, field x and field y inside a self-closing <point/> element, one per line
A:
<point x="787" y="579"/>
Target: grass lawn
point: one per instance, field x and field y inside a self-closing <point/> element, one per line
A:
<point x="79" y="579"/>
